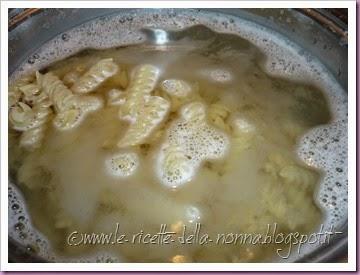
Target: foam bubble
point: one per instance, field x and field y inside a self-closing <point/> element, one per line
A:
<point x="122" y="164"/>
<point x="190" y="141"/>
<point x="220" y="75"/>
<point x="176" y="87"/>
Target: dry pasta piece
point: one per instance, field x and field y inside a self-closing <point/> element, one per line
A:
<point x="96" y="75"/>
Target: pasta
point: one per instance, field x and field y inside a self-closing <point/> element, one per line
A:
<point x="290" y="207"/>
<point x="116" y="97"/>
<point x="194" y="112"/>
<point x="70" y="109"/>
<point x="289" y="172"/>
<point x="14" y="93"/>
<point x="243" y="134"/>
<point x="218" y="114"/>
<point x="149" y="116"/>
<point x="176" y="87"/>
<point x="176" y="167"/>
<point x="145" y="112"/>
<point x="30" y="116"/>
<point x="190" y="141"/>
<point x="142" y="83"/>
<point x="32" y="138"/>
<point x="96" y="75"/>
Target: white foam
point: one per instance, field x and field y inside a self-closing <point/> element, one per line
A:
<point x="176" y="87"/>
<point x="122" y="164"/>
<point x="190" y="141"/>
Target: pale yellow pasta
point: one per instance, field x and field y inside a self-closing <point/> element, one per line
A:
<point x="218" y="115"/>
<point x="285" y="169"/>
<point x="116" y="97"/>
<point x="21" y="117"/>
<point x="190" y="141"/>
<point x="290" y="207"/>
<point x="149" y="116"/>
<point x="96" y="75"/>
<point x="194" y="112"/>
<point x="243" y="134"/>
<point x="176" y="87"/>
<point x="55" y="89"/>
<point x="14" y="93"/>
<point x="144" y="111"/>
<point x="70" y="109"/>
<point x="176" y="165"/>
<point x="143" y="81"/>
<point x="31" y="121"/>
<point x="296" y="174"/>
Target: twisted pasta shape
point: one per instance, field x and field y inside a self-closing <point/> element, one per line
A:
<point x="218" y="115"/>
<point x="142" y="83"/>
<point x="116" y="97"/>
<point x="176" y="167"/>
<point x="291" y="173"/>
<point x="96" y="75"/>
<point x="70" y="109"/>
<point x="194" y="112"/>
<point x="14" y="93"/>
<point x="176" y="87"/>
<point x="31" y="121"/>
<point x="149" y="116"/>
<point x="243" y="134"/>
<point x="144" y="111"/>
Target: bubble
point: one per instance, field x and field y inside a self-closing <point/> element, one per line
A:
<point x="122" y="164"/>
<point x="190" y="141"/>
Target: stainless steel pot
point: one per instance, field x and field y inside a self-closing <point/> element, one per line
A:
<point x="318" y="31"/>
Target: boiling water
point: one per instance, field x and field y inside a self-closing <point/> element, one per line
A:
<point x="257" y="180"/>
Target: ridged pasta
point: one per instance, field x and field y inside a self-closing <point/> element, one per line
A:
<point x="142" y="83"/>
<point x="32" y="138"/>
<point x="144" y="111"/>
<point x="149" y="116"/>
<point x="14" y="92"/>
<point x="289" y="172"/>
<point x="116" y="97"/>
<point x="290" y="207"/>
<point x="176" y="167"/>
<point x="176" y="87"/>
<point x="243" y="134"/>
<point x="190" y="141"/>
<point x="31" y="121"/>
<point x="218" y="115"/>
<point x="70" y="109"/>
<point x="194" y="112"/>
<point x="96" y="75"/>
